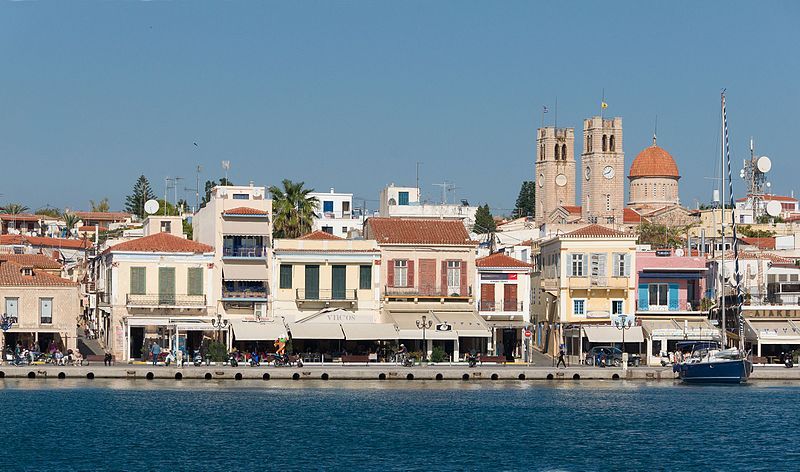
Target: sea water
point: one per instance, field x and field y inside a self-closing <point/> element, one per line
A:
<point x="53" y="425"/>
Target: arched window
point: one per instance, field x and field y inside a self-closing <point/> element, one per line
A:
<point x="612" y="144"/>
<point x="605" y="143"/>
<point x="541" y="152"/>
<point x="563" y="152"/>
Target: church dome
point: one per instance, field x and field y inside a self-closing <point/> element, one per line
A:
<point x="654" y="162"/>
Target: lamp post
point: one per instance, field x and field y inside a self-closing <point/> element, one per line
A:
<point x="219" y="324"/>
<point x="623" y="324"/>
<point x="424" y="324"/>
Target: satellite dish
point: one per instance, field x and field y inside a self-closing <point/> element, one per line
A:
<point x="764" y="164"/>
<point x="773" y="208"/>
<point x="151" y="207"/>
<point x="741" y="173"/>
<point x="769" y="184"/>
<point x="257" y="193"/>
<point x="679" y="252"/>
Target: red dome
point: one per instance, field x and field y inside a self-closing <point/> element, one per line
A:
<point x="654" y="162"/>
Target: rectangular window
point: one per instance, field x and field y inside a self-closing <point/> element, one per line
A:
<point x="400" y="273"/>
<point x="46" y="310"/>
<point x="241" y="196"/>
<point x="286" y="276"/>
<point x="166" y="285"/>
<point x="658" y="295"/>
<point x="344" y="229"/>
<point x="327" y="229"/>
<point x="138" y="280"/>
<point x="312" y="282"/>
<point x="12" y="305"/>
<point x="346" y="208"/>
<point x="616" y="307"/>
<point x="454" y="277"/>
<point x="402" y="198"/>
<point x="195" y="281"/>
<point x="327" y="206"/>
<point x="166" y="226"/>
<point x="579" y="307"/>
<point x="577" y="268"/>
<point x="365" y="277"/>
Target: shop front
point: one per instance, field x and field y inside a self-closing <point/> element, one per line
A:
<point x="662" y="335"/>
<point x="770" y="339"/>
<point x="454" y="332"/>
<point x="186" y="334"/>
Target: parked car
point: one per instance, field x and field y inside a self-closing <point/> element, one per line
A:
<point x="613" y="356"/>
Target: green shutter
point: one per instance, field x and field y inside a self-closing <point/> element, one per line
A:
<point x="339" y="282"/>
<point x="138" y="281"/>
<point x="312" y="282"/>
<point x="286" y="276"/>
<point x="365" y="277"/>
<point x="195" y="281"/>
<point x="166" y="285"/>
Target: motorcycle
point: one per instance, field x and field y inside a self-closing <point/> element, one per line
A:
<point x="197" y="359"/>
<point x="472" y="360"/>
<point x="283" y="360"/>
<point x="788" y="360"/>
<point x="233" y="361"/>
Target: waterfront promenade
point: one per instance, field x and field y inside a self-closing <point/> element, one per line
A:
<point x="387" y="372"/>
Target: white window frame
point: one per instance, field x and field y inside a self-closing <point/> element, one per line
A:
<point x="8" y="312"/>
<point x="658" y="302"/>
<point x="621" y="306"/>
<point x="41" y="310"/>
<point x="400" y="272"/>
<point x="578" y="261"/>
<point x="583" y="301"/>
<point x="453" y="277"/>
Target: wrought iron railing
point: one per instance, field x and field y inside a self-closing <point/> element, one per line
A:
<point x="166" y="300"/>
<point x="244" y="293"/>
<point x="503" y="305"/>
<point x="428" y="291"/>
<point x="260" y="251"/>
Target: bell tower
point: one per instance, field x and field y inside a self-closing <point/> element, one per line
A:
<point x="555" y="170"/>
<point x="602" y="171"/>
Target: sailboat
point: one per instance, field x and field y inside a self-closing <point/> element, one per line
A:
<point x="709" y="362"/>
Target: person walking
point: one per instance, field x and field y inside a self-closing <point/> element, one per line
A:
<point x="155" y="350"/>
<point x="561" y="359"/>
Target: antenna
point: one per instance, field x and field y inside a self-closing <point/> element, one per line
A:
<point x="226" y="165"/>
<point x="175" y="188"/>
<point x="418" y="191"/>
<point x="655" y="131"/>
<point x="196" y="190"/>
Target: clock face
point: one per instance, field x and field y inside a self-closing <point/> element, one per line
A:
<point x="561" y="180"/>
<point x="588" y="173"/>
<point x="541" y="180"/>
<point x="608" y="172"/>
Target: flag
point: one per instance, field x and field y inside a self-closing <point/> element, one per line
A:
<point x="544" y="109"/>
<point x="603" y="105"/>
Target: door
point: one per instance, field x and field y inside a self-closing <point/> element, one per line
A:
<point x="427" y="275"/>
<point x="136" y="342"/>
<point x="339" y="282"/>
<point x="509" y="343"/>
<point x="487" y="297"/>
<point x="166" y="286"/>
<point x="312" y="282"/>
<point x="510" y="297"/>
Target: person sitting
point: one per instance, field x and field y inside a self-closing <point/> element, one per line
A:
<point x="77" y="358"/>
<point x="59" y="357"/>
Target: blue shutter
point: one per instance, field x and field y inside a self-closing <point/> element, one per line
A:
<point x="644" y="297"/>
<point x="673" y="297"/>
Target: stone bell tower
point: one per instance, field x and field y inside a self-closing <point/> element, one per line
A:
<point x="555" y="170"/>
<point x="602" y="171"/>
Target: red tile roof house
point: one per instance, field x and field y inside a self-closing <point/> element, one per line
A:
<point x="43" y="306"/>
<point x="152" y="289"/>
<point x="22" y="223"/>
<point x="428" y="266"/>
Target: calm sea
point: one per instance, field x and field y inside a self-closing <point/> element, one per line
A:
<point x="137" y="425"/>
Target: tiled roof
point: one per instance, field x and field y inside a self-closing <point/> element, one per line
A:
<point x="103" y="215"/>
<point x="761" y="243"/>
<point x="90" y="228"/>
<point x="418" y="231"/>
<point x="572" y="209"/>
<point x="499" y="259"/>
<point x="37" y="261"/>
<point x="594" y="231"/>
<point x="20" y="217"/>
<point x="161" y="242"/>
<point x="11" y="276"/>
<point x="320" y="236"/>
<point x="245" y="211"/>
<point x="42" y="241"/>
<point x="630" y="216"/>
<point x="777" y="198"/>
<point x="654" y="162"/>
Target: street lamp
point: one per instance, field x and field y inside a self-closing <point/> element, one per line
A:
<point x="623" y="324"/>
<point x="424" y="324"/>
<point x="219" y="324"/>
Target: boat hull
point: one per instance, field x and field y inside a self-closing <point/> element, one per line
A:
<point x="733" y="371"/>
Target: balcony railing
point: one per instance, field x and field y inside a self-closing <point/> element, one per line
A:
<point x="427" y="291"/>
<point x="166" y="300"/>
<point x="244" y="294"/>
<point x="597" y="281"/>
<point x="254" y="252"/>
<point x="306" y="295"/>
<point x="503" y="305"/>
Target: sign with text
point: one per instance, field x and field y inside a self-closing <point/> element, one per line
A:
<point x="492" y="277"/>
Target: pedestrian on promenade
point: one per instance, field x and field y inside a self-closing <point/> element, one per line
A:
<point x="179" y="357"/>
<point x="155" y="350"/>
<point x="561" y="359"/>
<point x="107" y="359"/>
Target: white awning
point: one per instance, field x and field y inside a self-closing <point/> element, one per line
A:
<point x="313" y="330"/>
<point x="774" y="331"/>
<point x="467" y="324"/>
<point x="369" y="331"/>
<point x="249" y="270"/>
<point x="680" y="329"/>
<point x="407" y="327"/>
<point x="610" y="334"/>
<point x="194" y="327"/>
<point x="148" y="321"/>
<point x="258" y="330"/>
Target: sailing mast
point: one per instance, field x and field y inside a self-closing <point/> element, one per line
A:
<point x="722" y="222"/>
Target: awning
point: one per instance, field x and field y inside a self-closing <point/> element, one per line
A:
<point x="407" y="324"/>
<point x="680" y="329"/>
<point x="468" y="324"/>
<point x="148" y="321"/>
<point x="255" y="270"/>
<point x="774" y="331"/>
<point x="257" y="330"/>
<point x="369" y="331"/>
<point x="610" y="334"/>
<point x="194" y="327"/>
<point x="311" y="330"/>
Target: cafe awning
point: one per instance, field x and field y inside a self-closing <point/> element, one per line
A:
<point x="680" y="329"/>
<point x="407" y="326"/>
<point x="258" y="330"/>
<point x="313" y="330"/>
<point x="466" y="323"/>
<point x="244" y="271"/>
<point x="369" y="331"/>
<point x="610" y="334"/>
<point x="774" y="331"/>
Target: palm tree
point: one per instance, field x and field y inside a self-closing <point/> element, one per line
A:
<point x="14" y="209"/>
<point x="292" y="209"/>
<point x="70" y="220"/>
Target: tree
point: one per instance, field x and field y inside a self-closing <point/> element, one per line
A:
<point x="14" y="209"/>
<point x="661" y="236"/>
<point x="526" y="200"/>
<point x="209" y="185"/>
<point x="167" y="208"/>
<point x="749" y="232"/>
<point x="70" y="220"/>
<point x="292" y="209"/>
<point x="101" y="206"/>
<point x="484" y="221"/>
<point x="51" y="212"/>
<point x="134" y="203"/>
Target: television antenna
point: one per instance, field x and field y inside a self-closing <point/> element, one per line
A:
<point x="226" y="166"/>
<point x="446" y="188"/>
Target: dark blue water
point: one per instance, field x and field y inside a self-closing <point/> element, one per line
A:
<point x="132" y="425"/>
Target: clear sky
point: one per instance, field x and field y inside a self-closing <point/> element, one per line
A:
<point x="351" y="94"/>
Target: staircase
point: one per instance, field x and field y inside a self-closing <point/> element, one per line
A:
<point x="88" y="347"/>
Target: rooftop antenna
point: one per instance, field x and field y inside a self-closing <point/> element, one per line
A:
<point x="655" y="131"/>
<point x="196" y="190"/>
<point x="418" y="190"/>
<point x="167" y="180"/>
<point x="443" y="185"/>
<point x="555" y="117"/>
<point x="175" y="188"/>
<point x="226" y="165"/>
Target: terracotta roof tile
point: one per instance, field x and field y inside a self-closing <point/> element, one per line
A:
<point x="654" y="162"/>
<point x="499" y="259"/>
<point x="37" y="261"/>
<point x="572" y="209"/>
<point x="418" y="231"/>
<point x="245" y="211"/>
<point x="595" y="231"/>
<point x="11" y="276"/>
<point x="630" y="216"/>
<point x="20" y="217"/>
<point x="42" y="241"/>
<point x="161" y="242"/>
<point x="320" y="236"/>
<point x="103" y="215"/>
<point x="761" y="243"/>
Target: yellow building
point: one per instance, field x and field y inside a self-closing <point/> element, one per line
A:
<point x="583" y="279"/>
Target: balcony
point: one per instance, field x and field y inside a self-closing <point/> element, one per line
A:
<point x="427" y="292"/>
<point x="326" y="297"/>
<point x="259" y="252"/>
<point x="597" y="282"/>
<point x="498" y="306"/>
<point x="244" y="295"/>
<point x="170" y="300"/>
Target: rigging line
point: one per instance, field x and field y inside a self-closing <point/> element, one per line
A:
<point x="736" y="275"/>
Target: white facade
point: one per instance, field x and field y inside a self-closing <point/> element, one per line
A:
<point x="404" y="202"/>
<point x="335" y="213"/>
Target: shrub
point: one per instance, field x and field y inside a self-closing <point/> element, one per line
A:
<point x="438" y="354"/>
<point x="218" y="352"/>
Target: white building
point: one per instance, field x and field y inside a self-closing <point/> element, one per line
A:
<point x="335" y="213"/>
<point x="404" y="202"/>
<point x="747" y="208"/>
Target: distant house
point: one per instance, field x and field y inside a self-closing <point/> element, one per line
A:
<point x="22" y="224"/>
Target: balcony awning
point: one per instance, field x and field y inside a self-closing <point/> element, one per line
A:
<point x="258" y="330"/>
<point x="313" y="330"/>
<point x="194" y="327"/>
<point x="244" y="271"/>
<point x="467" y="324"/>
<point x="369" y="331"/>
<point x="610" y="334"/>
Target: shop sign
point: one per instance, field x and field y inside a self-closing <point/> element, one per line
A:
<point x="444" y="327"/>
<point x="492" y="277"/>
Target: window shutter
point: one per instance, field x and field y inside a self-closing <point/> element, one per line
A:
<point x="570" y="261"/>
<point x="673" y="296"/>
<point x="138" y="276"/>
<point x="410" y="276"/>
<point x="585" y="265"/>
<point x="463" y="279"/>
<point x="627" y="258"/>
<point x="443" y="279"/>
<point x="644" y="297"/>
<point x="615" y="259"/>
<point x="365" y="277"/>
<point x="390" y="273"/>
<point x="195" y="282"/>
<point x="601" y="265"/>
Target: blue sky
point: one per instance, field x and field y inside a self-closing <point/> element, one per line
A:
<point x="351" y="94"/>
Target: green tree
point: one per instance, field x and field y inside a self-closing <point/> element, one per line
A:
<point x="292" y="209"/>
<point x="167" y="208"/>
<point x="134" y="203"/>
<point x="749" y="232"/>
<point x="484" y="221"/>
<point x="661" y="236"/>
<point x="51" y="212"/>
<point x="526" y="200"/>
<point x="101" y="206"/>
<point x="70" y="220"/>
<point x="14" y="209"/>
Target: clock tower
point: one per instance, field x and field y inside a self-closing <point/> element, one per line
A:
<point x="602" y="171"/>
<point x="555" y="170"/>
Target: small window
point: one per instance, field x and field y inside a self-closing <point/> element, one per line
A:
<point x="579" y="307"/>
<point x="365" y="277"/>
<point x="605" y="143"/>
<point x="563" y="152"/>
<point x="166" y="226"/>
<point x="344" y="229"/>
<point x="402" y="198"/>
<point x="557" y="151"/>
<point x="616" y="307"/>
<point x="327" y="206"/>
<point x="658" y="295"/>
<point x="241" y="196"/>
<point x="12" y="305"/>
<point x="327" y="229"/>
<point x="608" y="202"/>
<point x="612" y="143"/>
<point x="400" y="273"/>
<point x="577" y="266"/>
<point x="286" y="276"/>
<point x="46" y="310"/>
